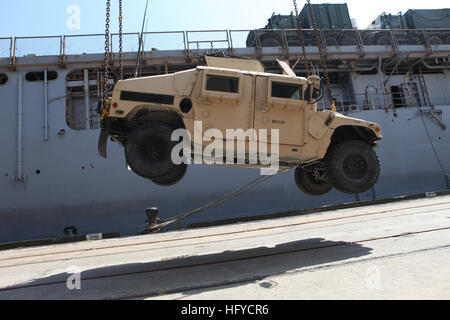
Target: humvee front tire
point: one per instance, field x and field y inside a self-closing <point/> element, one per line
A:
<point x="148" y="150"/>
<point x="310" y="184"/>
<point x="353" y="167"/>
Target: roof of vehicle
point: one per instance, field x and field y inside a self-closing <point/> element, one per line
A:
<point x="264" y="74"/>
<point x="247" y="67"/>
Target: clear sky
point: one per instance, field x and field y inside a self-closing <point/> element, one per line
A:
<point x="50" y="17"/>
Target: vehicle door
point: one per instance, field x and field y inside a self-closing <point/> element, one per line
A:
<point x="225" y="101"/>
<point x="280" y="105"/>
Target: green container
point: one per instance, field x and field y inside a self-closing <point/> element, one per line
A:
<point x="328" y="16"/>
<point x="428" y="19"/>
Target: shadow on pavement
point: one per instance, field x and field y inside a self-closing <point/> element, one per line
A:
<point x="198" y="273"/>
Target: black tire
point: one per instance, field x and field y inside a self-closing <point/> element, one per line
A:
<point x="307" y="182"/>
<point x="347" y="41"/>
<point x="414" y="41"/>
<point x="331" y="42"/>
<point x="447" y="40"/>
<point x="270" y="42"/>
<point x="436" y="41"/>
<point x="384" y="41"/>
<point x="172" y="177"/>
<point x="353" y="166"/>
<point x="148" y="150"/>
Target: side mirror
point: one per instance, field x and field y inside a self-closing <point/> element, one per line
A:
<point x="314" y="91"/>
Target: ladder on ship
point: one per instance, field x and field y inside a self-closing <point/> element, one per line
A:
<point x="433" y="113"/>
<point x="424" y="90"/>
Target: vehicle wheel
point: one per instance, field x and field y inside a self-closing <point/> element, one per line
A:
<point x="347" y="41"/>
<point x="435" y="40"/>
<point x="414" y="41"/>
<point x="447" y="40"/>
<point x="331" y="42"/>
<point x="270" y="42"/>
<point x="384" y="41"/>
<point x="309" y="183"/>
<point x="148" y="150"/>
<point x="353" y="167"/>
<point x="172" y="177"/>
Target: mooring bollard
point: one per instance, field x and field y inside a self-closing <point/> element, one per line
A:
<point x="152" y="214"/>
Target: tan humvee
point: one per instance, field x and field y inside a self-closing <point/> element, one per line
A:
<point x="326" y="148"/>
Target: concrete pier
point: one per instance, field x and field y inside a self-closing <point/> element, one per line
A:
<point x="399" y="250"/>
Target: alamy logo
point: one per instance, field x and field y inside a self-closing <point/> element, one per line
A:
<point x="74" y="280"/>
<point x="374" y="280"/>
<point x="229" y="147"/>
<point x="74" y="19"/>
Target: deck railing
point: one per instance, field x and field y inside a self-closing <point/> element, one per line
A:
<point x="376" y="100"/>
<point x="195" y="43"/>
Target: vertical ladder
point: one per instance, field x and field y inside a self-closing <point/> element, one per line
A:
<point x="424" y="89"/>
<point x="435" y="114"/>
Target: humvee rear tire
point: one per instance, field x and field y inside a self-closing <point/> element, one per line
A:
<point x="148" y="150"/>
<point x="173" y="177"/>
<point x="309" y="184"/>
<point x="353" y="166"/>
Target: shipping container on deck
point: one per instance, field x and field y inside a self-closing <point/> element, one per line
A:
<point x="328" y="16"/>
<point x="428" y="19"/>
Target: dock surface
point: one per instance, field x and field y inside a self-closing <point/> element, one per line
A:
<point x="399" y="250"/>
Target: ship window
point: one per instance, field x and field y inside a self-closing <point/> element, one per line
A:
<point x="222" y="84"/>
<point x="3" y="78"/>
<point x="39" y="76"/>
<point x="286" y="90"/>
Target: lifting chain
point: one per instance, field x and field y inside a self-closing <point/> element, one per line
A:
<point x="120" y="40"/>
<point x="107" y="53"/>
<point x="302" y="40"/>
<point x="322" y="55"/>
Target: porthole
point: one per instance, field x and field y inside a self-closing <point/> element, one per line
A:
<point x="3" y="79"/>
<point x="40" y="75"/>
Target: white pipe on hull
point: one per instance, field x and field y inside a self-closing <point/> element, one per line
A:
<point x="380" y="74"/>
<point x="86" y="98"/>
<point x="20" y="175"/>
<point x="46" y="105"/>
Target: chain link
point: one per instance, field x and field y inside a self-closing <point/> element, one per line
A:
<point x="302" y="40"/>
<point x="107" y="52"/>
<point x="120" y="40"/>
<point x="322" y="54"/>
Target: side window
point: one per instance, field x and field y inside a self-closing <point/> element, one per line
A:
<point x="222" y="84"/>
<point x="287" y="90"/>
<point x="39" y="76"/>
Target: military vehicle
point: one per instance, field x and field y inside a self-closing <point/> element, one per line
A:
<point x="327" y="16"/>
<point x="433" y="19"/>
<point x="333" y="19"/>
<point x="326" y="148"/>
